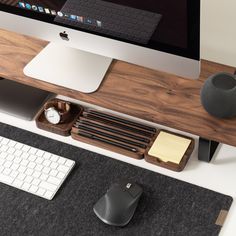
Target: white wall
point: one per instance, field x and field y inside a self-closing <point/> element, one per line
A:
<point x="218" y="31"/>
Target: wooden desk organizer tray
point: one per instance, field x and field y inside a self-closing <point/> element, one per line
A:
<point x="113" y="133"/>
<point x="171" y="165"/>
<point x="61" y="128"/>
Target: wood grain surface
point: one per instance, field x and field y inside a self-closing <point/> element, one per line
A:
<point x="147" y="94"/>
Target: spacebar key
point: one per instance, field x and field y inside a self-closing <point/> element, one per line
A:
<point x="48" y="186"/>
<point x="6" y="179"/>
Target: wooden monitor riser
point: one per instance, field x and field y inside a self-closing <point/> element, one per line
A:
<point x="140" y="92"/>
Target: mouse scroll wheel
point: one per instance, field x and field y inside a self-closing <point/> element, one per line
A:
<point x="128" y="186"/>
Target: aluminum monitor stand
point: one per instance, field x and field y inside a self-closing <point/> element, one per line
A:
<point x="68" y="67"/>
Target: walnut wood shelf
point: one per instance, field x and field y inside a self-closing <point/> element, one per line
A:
<point x="140" y="92"/>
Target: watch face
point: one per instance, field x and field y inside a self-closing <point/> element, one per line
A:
<point x="52" y="115"/>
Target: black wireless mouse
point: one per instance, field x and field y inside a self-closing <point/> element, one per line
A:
<point x="118" y="205"/>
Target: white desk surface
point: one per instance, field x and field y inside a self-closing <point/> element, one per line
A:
<point x="219" y="175"/>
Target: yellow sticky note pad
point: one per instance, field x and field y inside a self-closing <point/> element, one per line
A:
<point x="169" y="147"/>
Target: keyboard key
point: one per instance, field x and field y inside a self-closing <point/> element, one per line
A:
<point x="24" y="162"/>
<point x="10" y="157"/>
<point x="61" y="160"/>
<point x="15" y="166"/>
<point x="25" y="155"/>
<point x="54" y="180"/>
<point x="32" y="158"/>
<point x="36" y="174"/>
<point x="39" y="160"/>
<point x="18" y="183"/>
<point x="26" y="186"/>
<point x="32" y="150"/>
<point x="54" y="165"/>
<point x="25" y="148"/>
<point x="48" y="194"/>
<point x="53" y="173"/>
<point x="3" y="155"/>
<point x="33" y="189"/>
<point x="6" y="171"/>
<point x="41" y="191"/>
<point x="11" y="150"/>
<point x="54" y="158"/>
<point x="18" y="153"/>
<point x="63" y="168"/>
<point x="3" y="148"/>
<point x="29" y="171"/>
<point x="48" y="186"/>
<point x="19" y="146"/>
<point x="61" y="175"/>
<point x="39" y="167"/>
<point x="12" y="143"/>
<point x="43" y="177"/>
<point x="46" y="162"/>
<point x="36" y="182"/>
<point x="47" y="155"/>
<point x="28" y="179"/>
<point x="14" y="174"/>
<point x="39" y="153"/>
<point x="69" y="163"/>
<point x="21" y="176"/>
<point x="31" y="165"/>
<point x="6" y="179"/>
<point x="22" y="169"/>
<point x="7" y="164"/>
<point x="17" y="160"/>
<point x="46" y="170"/>
<point x="5" y="141"/>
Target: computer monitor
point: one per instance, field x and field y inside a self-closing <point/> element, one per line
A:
<point x="86" y="35"/>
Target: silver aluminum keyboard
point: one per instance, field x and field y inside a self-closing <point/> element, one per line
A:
<point x="31" y="169"/>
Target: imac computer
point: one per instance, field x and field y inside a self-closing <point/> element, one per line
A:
<point x="86" y="35"/>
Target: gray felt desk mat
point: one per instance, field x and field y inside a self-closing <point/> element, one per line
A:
<point x="168" y="207"/>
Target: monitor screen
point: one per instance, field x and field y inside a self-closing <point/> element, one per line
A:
<point x="166" y="25"/>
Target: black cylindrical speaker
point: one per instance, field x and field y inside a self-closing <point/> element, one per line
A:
<point x="218" y="95"/>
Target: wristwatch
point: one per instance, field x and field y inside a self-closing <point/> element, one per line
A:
<point x="57" y="111"/>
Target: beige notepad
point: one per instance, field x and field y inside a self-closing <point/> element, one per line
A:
<point x="169" y="147"/>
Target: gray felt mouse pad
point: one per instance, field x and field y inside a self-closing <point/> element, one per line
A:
<point x="167" y="207"/>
